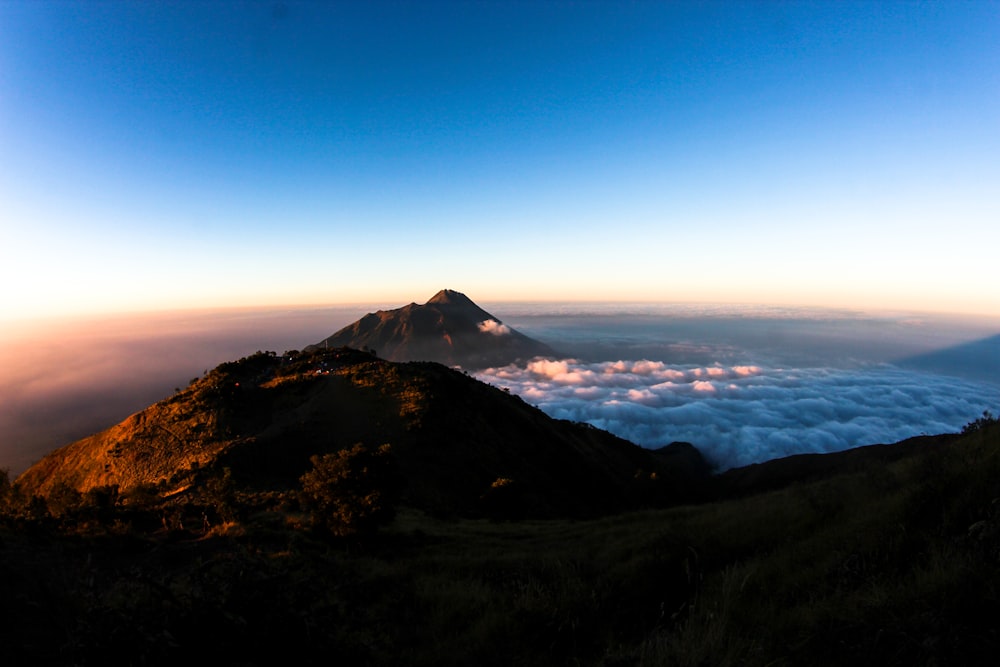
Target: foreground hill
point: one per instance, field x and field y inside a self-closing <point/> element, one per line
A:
<point x="449" y="329"/>
<point x="895" y="563"/>
<point x="457" y="443"/>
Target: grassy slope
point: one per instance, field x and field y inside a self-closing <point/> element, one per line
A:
<point x="895" y="564"/>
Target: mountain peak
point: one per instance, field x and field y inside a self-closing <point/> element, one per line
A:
<point x="450" y="328"/>
<point x="450" y="297"/>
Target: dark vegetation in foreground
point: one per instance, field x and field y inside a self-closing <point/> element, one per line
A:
<point x="893" y="562"/>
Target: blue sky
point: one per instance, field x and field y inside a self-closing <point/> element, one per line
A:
<point x="175" y="155"/>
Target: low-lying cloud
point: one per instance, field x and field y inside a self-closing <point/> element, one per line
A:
<point x="494" y="327"/>
<point x="742" y="414"/>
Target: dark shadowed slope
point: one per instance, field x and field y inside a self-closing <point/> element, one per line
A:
<point x="449" y="329"/>
<point x="806" y="468"/>
<point x="462" y="447"/>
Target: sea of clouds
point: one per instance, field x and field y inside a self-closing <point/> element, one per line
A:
<point x="742" y="414"/>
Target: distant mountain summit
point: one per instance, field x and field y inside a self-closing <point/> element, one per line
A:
<point x="451" y="298"/>
<point x="449" y="329"/>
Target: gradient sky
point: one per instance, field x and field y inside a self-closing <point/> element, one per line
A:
<point x="205" y="154"/>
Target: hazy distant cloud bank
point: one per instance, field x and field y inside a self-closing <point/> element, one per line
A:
<point x="745" y="414"/>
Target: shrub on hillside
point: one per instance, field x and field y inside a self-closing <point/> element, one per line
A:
<point x="6" y="491"/>
<point x="219" y="493"/>
<point x="353" y="491"/>
<point x="978" y="424"/>
<point x="504" y="499"/>
<point x="63" y="499"/>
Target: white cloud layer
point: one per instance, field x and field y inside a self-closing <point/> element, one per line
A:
<point x="494" y="327"/>
<point x="738" y="415"/>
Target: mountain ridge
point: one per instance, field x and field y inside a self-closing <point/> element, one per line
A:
<point x="263" y="417"/>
